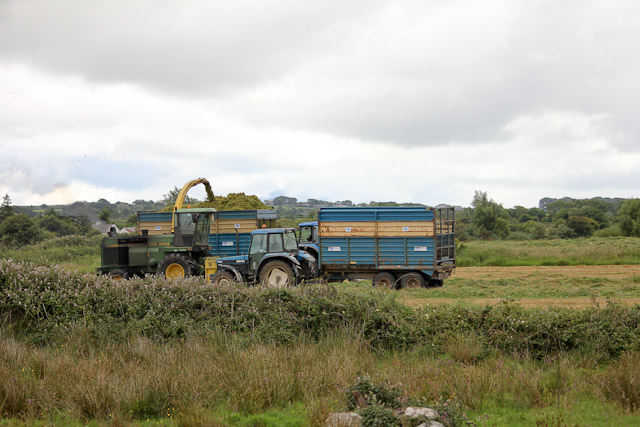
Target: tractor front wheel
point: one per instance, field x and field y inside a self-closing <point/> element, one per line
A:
<point x="277" y="274"/>
<point x="223" y="278"/>
<point x="176" y="266"/>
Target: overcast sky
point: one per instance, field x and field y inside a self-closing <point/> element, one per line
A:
<point x="415" y="101"/>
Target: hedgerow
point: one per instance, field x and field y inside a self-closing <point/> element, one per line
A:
<point x="40" y="303"/>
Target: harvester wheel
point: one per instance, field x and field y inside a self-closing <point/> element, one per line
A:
<point x="176" y="266"/>
<point x="119" y="275"/>
<point x="412" y="280"/>
<point x="277" y="274"/>
<point x="384" y="279"/>
<point x="223" y="278"/>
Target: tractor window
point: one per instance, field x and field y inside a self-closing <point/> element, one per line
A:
<point x="202" y="229"/>
<point x="290" y="243"/>
<point x="257" y="250"/>
<point x="306" y="234"/>
<point x="275" y="243"/>
<point x="186" y="223"/>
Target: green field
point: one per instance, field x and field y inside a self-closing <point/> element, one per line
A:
<point x="77" y="349"/>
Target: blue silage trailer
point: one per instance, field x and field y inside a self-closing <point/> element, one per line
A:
<point x="393" y="246"/>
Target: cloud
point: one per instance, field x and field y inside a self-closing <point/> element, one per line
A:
<point x="409" y="100"/>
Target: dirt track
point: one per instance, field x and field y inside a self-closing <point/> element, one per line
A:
<point x="608" y="271"/>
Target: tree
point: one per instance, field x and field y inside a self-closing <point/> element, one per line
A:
<point x="489" y="218"/>
<point x="582" y="226"/>
<point x="629" y="215"/>
<point x="105" y="214"/>
<point x="19" y="230"/>
<point x="169" y="199"/>
<point x="6" y="210"/>
<point x="60" y="226"/>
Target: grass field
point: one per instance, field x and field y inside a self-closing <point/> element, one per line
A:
<point x="156" y="354"/>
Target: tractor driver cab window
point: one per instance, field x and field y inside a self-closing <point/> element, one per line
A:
<point x="305" y="234"/>
<point x="186" y="222"/>
<point x="275" y="243"/>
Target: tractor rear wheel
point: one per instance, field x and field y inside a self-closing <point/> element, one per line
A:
<point x="176" y="266"/>
<point x="277" y="274"/>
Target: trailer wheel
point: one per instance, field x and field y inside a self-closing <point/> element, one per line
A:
<point x="119" y="275"/>
<point x="176" y="266"/>
<point x="412" y="280"/>
<point x="277" y="274"/>
<point x="223" y="278"/>
<point x="384" y="279"/>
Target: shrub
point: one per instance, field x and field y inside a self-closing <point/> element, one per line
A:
<point x="382" y="395"/>
<point x="378" y="416"/>
<point x="19" y="230"/>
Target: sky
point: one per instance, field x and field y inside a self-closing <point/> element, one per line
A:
<point x="421" y="101"/>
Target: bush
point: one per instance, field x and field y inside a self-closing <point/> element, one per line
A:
<point x="19" y="230"/>
<point x="611" y="231"/>
<point x="44" y="302"/>
<point x="382" y="395"/>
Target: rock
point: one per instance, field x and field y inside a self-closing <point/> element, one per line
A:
<point x="428" y="413"/>
<point x="431" y="424"/>
<point x="343" y="419"/>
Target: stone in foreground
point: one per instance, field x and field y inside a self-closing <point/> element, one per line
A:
<point x="428" y="413"/>
<point x="343" y="419"/>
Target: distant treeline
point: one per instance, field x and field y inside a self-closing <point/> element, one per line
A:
<point x="554" y="218"/>
<point x="485" y="219"/>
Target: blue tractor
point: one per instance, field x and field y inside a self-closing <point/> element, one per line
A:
<point x="273" y="259"/>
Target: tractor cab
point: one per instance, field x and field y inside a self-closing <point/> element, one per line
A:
<point x="308" y="237"/>
<point x="191" y="227"/>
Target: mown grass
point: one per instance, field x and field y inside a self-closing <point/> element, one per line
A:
<point x="585" y="251"/>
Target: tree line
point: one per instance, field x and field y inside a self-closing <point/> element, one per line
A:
<point x="554" y="218"/>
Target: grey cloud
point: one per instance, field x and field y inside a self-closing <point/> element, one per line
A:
<point x="408" y="73"/>
<point x="194" y="46"/>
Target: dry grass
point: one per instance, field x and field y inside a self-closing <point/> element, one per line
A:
<point x="187" y="380"/>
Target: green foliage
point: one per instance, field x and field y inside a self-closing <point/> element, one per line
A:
<point x="18" y="230"/>
<point x="630" y="218"/>
<point x="490" y="219"/>
<point x="378" y="416"/>
<point x="582" y="226"/>
<point x="105" y="214"/>
<point x="374" y="394"/>
<point x="44" y="301"/>
<point x="6" y="210"/>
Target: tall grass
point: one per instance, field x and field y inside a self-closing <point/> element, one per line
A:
<point x="77" y="252"/>
<point x="586" y="251"/>
<point x="191" y="379"/>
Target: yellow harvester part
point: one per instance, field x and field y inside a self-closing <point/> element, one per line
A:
<point x="183" y="194"/>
